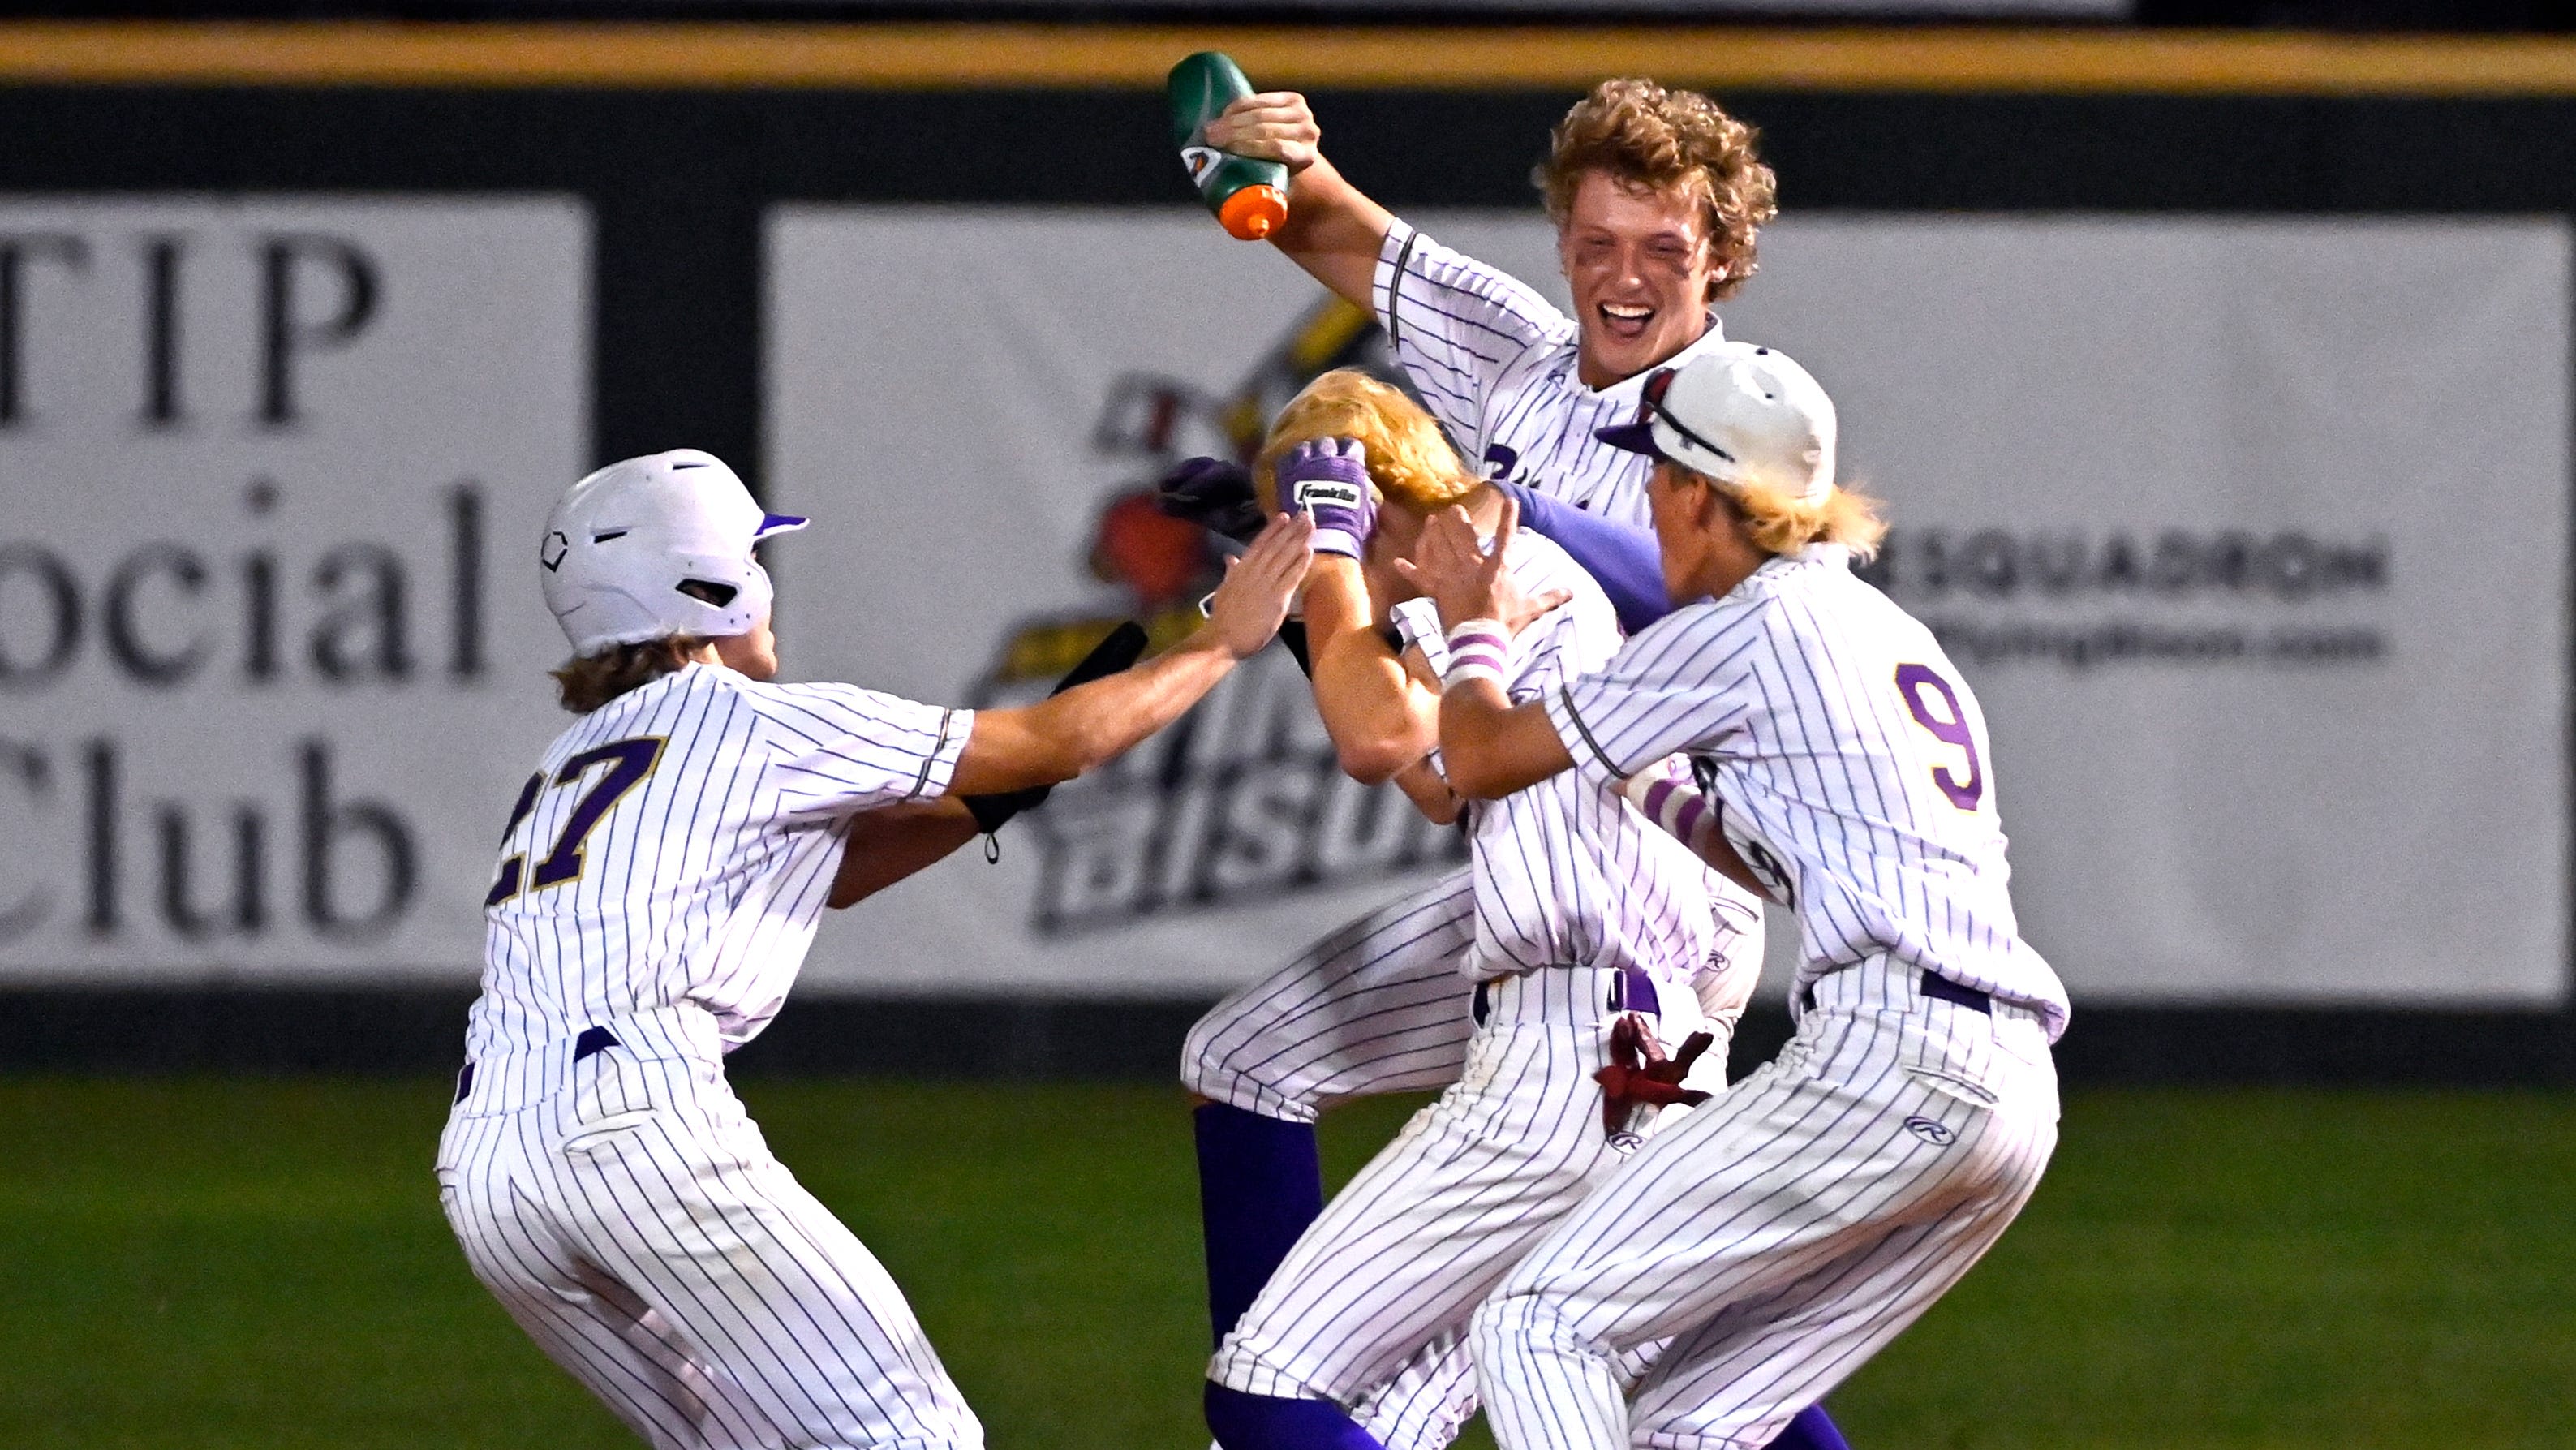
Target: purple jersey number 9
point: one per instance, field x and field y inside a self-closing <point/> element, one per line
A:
<point x="1949" y="724"/>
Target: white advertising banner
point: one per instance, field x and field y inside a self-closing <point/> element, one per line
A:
<point x="271" y="650"/>
<point x="2251" y="535"/>
<point x="969" y="404"/>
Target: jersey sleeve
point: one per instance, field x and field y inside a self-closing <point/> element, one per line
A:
<point x="1623" y="559"/>
<point x="1581" y="634"/>
<point x="1677" y="686"/>
<point x="1454" y="324"/>
<point x="839" y="748"/>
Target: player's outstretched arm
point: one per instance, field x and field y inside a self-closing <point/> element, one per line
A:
<point x="1624" y="559"/>
<point x="1489" y="746"/>
<point x="1333" y="230"/>
<point x="1090" y="725"/>
<point x="892" y="842"/>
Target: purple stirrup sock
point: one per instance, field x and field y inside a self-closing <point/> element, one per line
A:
<point x="1811" y="1430"/>
<point x="1260" y="1184"/>
<point x="1266" y="1422"/>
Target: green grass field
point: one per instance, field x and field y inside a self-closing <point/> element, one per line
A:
<point x="262" y="1264"/>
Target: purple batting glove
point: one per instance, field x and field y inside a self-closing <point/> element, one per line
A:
<point x="1328" y="477"/>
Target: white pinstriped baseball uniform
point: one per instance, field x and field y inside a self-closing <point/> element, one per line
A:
<point x="1783" y="1233"/>
<point x="1377" y="1007"/>
<point x="1582" y="907"/>
<point x="663" y="873"/>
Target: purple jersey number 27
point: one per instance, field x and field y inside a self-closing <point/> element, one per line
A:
<point x="1948" y="724"/>
<point x="629" y="761"/>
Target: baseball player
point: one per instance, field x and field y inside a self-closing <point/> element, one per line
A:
<point x="1782" y="1234"/>
<point x="1589" y="923"/>
<point x="659" y="883"/>
<point x="1657" y="196"/>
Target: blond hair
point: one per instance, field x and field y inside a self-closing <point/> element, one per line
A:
<point x="1782" y="522"/>
<point x="1647" y="138"/>
<point x="586" y="682"/>
<point x="1409" y="459"/>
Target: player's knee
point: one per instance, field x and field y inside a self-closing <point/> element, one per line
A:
<point x="1200" y="1051"/>
<point x="1510" y="1326"/>
<point x="1243" y="1421"/>
<point x="1203" y="1069"/>
<point x="1493" y="1329"/>
<point x="1214" y="1062"/>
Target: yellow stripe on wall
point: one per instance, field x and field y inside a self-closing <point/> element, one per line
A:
<point x="719" y="56"/>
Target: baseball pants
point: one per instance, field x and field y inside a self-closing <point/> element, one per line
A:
<point x="1379" y="1006"/>
<point x="1370" y="1306"/>
<point x="628" y="1214"/>
<point x="1781" y="1234"/>
<point x="1376" y="1007"/>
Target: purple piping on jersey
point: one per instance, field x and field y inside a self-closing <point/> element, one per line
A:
<point x="1566" y="693"/>
<point x="931" y="761"/>
<point x="1395" y="289"/>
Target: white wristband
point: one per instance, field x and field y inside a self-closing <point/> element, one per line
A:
<point x="1478" y="650"/>
<point x="1335" y="541"/>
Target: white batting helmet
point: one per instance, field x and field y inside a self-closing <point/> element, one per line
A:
<point x="656" y="546"/>
<point x="1738" y="414"/>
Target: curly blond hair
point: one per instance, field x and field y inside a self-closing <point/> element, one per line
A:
<point x="1782" y="522"/>
<point x="1409" y="458"/>
<point x="1650" y="139"/>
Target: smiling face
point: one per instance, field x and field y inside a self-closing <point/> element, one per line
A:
<point x="1642" y="273"/>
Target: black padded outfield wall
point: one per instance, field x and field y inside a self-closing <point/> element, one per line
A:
<point x="2227" y="437"/>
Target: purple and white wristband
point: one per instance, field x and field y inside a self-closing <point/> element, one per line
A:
<point x="1672" y="804"/>
<point x="1478" y="650"/>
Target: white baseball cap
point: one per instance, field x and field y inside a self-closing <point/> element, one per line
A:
<point x="1738" y="414"/>
<point x="655" y="546"/>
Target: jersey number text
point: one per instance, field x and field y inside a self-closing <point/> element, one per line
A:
<point x="1949" y="724"/>
<point x="628" y="762"/>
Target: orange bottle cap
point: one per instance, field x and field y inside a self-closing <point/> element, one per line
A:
<point x="1253" y="213"/>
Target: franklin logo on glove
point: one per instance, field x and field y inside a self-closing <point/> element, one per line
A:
<point x="1328" y="478"/>
<point x="1317" y="492"/>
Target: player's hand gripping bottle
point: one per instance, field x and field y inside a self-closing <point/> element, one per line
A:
<point x="1250" y="197"/>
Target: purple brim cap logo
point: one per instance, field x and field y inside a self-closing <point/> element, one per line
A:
<point x="778" y="524"/>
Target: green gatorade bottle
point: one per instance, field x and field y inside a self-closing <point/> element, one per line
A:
<point x="1250" y="197"/>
